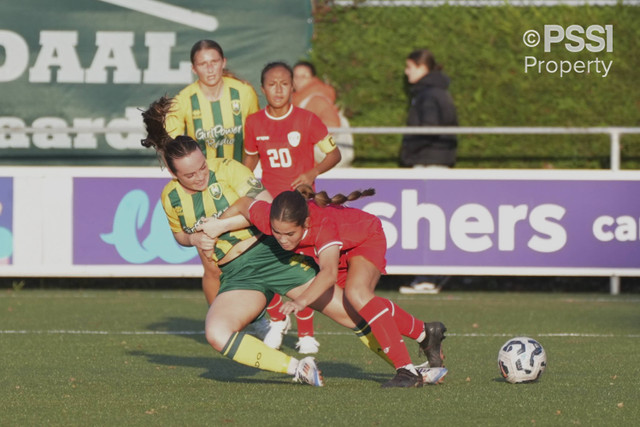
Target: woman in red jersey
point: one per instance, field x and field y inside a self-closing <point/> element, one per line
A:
<point x="349" y="246"/>
<point x="282" y="138"/>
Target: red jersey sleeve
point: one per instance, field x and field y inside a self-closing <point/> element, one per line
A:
<point x="259" y="216"/>
<point x="250" y="144"/>
<point x="327" y="235"/>
<point x="318" y="131"/>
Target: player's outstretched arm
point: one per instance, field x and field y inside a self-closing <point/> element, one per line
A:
<point x="198" y="239"/>
<point x="328" y="261"/>
<point x="236" y="217"/>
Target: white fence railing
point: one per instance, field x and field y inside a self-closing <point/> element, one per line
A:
<point x="614" y="133"/>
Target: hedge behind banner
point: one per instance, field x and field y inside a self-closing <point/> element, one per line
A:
<point x="96" y="63"/>
<point x="362" y="51"/>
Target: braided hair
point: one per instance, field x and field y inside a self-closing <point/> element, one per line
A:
<point x="292" y="207"/>
<point x="322" y="198"/>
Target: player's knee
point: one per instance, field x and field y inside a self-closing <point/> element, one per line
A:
<point x="217" y="336"/>
<point x="358" y="297"/>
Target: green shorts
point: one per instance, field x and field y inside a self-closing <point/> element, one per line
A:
<point x="267" y="268"/>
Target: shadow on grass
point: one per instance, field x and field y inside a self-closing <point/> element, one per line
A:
<point x="221" y="369"/>
<point x="216" y="368"/>
<point x="349" y="371"/>
<point x="194" y="329"/>
<point x="504" y="381"/>
<point x="181" y="326"/>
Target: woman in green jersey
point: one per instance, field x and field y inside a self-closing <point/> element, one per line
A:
<point x="254" y="267"/>
<point x="212" y="111"/>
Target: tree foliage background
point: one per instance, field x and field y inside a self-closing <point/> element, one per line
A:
<point x="362" y="50"/>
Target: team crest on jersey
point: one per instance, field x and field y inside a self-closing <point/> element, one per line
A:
<point x="256" y="187"/>
<point x="197" y="114"/>
<point x="255" y="182"/>
<point x="235" y="106"/>
<point x="215" y="191"/>
<point x="294" y="138"/>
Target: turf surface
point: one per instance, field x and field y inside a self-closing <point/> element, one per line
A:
<point x="72" y="357"/>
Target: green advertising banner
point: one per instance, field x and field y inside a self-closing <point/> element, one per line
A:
<point x="74" y="74"/>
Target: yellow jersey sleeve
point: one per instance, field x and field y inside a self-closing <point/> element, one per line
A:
<point x="237" y="176"/>
<point x="169" y="210"/>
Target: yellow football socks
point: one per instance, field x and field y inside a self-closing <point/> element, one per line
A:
<point x="250" y="351"/>
<point x="364" y="334"/>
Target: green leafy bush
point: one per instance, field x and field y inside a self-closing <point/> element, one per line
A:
<point x="362" y="51"/>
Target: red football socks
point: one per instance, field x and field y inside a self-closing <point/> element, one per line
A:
<point x="384" y="328"/>
<point x="408" y="325"/>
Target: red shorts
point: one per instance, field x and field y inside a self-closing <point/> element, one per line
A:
<point x="373" y="249"/>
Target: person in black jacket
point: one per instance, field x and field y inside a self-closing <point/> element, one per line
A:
<point x="431" y="105"/>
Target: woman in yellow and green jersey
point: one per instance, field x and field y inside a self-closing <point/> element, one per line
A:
<point x="254" y="267"/>
<point x="212" y="111"/>
<point x="214" y="108"/>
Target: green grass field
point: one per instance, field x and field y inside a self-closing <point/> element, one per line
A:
<point x="108" y="357"/>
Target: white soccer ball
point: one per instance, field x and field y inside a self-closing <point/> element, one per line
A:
<point x="522" y="360"/>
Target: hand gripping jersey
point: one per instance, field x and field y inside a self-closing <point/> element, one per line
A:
<point x="355" y="231"/>
<point x="217" y="126"/>
<point x="228" y="181"/>
<point x="285" y="145"/>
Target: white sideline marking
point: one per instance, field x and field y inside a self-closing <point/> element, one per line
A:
<point x="561" y="334"/>
<point x="72" y="332"/>
<point x="472" y="335"/>
<point x="445" y="298"/>
<point x="60" y="295"/>
<point x="63" y="294"/>
<point x="169" y="12"/>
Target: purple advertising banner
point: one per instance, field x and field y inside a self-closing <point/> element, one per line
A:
<point x="121" y="221"/>
<point x="6" y="220"/>
<point x="428" y="222"/>
<point x="506" y="223"/>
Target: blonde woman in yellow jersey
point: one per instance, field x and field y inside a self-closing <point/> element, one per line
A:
<point x="214" y="108"/>
<point x="254" y="267"/>
<point x="212" y="111"/>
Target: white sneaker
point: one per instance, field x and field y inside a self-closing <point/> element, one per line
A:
<point x="425" y="285"/>
<point x="431" y="375"/>
<point x="259" y="328"/>
<point x="307" y="345"/>
<point x="420" y="288"/>
<point x="307" y="372"/>
<point x="277" y="331"/>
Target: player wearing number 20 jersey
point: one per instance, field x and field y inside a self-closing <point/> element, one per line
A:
<point x="285" y="145"/>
